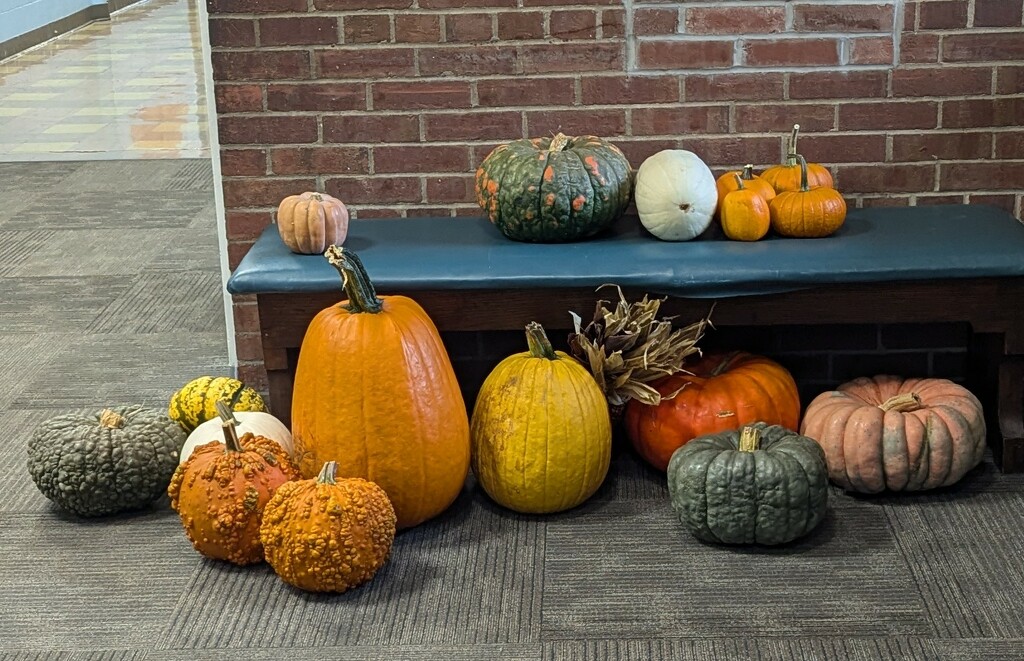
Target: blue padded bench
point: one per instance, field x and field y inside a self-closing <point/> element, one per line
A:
<point x="887" y="265"/>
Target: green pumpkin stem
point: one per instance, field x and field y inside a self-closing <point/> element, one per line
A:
<point x="327" y="473"/>
<point x="739" y="181"/>
<point x="361" y="295"/>
<point x="750" y="439"/>
<point x="559" y="142"/>
<point x="748" y="172"/>
<point x="537" y="339"/>
<point x="803" y="174"/>
<point x="227" y="423"/>
<point x="791" y="145"/>
<point x="111" y="419"/>
<point x="909" y="401"/>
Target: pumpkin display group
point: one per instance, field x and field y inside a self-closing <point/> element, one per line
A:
<point x="554" y="189"/>
<point x="196" y="401"/>
<point x="675" y="195"/>
<point x="309" y="222"/>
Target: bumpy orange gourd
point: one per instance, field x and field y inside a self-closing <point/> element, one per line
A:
<point x="744" y="214"/>
<point x="328" y="535"/>
<point x="375" y="391"/>
<point x="220" y="492"/>
<point x="310" y="222"/>
<point x="722" y="393"/>
<point x="787" y="176"/>
<point x="807" y="213"/>
<point x="898" y="434"/>
<point x="727" y="183"/>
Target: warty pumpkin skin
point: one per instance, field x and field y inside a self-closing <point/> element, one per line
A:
<point x="326" y="534"/>
<point x="807" y="213"/>
<point x="310" y="222"/>
<point x="787" y="176"/>
<point x="764" y="484"/>
<point x="744" y="214"/>
<point x="375" y="392"/>
<point x="196" y="402"/>
<point x="220" y="493"/>
<point x="554" y="189"/>
<point x="889" y="433"/>
<point x="721" y="393"/>
<point x="541" y="431"/>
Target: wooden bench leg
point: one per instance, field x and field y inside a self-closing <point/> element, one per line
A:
<point x="1008" y="445"/>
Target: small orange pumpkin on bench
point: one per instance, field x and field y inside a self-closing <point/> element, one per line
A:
<point x="310" y="222"/>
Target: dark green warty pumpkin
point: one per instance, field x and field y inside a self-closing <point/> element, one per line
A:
<point x="762" y="484"/>
<point x="554" y="189"/>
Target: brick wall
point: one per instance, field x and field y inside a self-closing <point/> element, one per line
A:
<point x="391" y="104"/>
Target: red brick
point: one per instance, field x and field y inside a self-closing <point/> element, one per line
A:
<point x="735" y="20"/>
<point x="1010" y="145"/>
<point x="372" y="190"/>
<point x="263" y="191"/>
<point x="542" y="3"/>
<point x="1010" y="80"/>
<point x="886" y="201"/>
<point x="830" y="148"/>
<point x="655" y="21"/>
<point x="320" y="160"/>
<point x="468" y="27"/>
<point x="769" y="117"/>
<point x="520" y="25"/>
<point x="254" y="375"/>
<point x="735" y="151"/>
<point x="1004" y="202"/>
<point x="885" y="178"/>
<point x="734" y="87"/>
<point x="466" y="211"/>
<point x="526" y="92"/>
<point x="468" y="4"/>
<point x="266" y="130"/>
<point x="431" y="212"/>
<point x="871" y="50"/>
<point x="944" y="15"/>
<point x="982" y="46"/>
<point x="988" y="175"/>
<point x="369" y="213"/>
<point x="298" y="31"/>
<point x="421" y="158"/>
<point x="261" y="65"/>
<point x="233" y="32"/>
<point x="419" y="95"/>
<point x="236" y="251"/>
<point x="246" y="316"/>
<point x="639" y="150"/>
<point x="238" y="98"/>
<point x="369" y="129"/>
<point x="573" y="24"/>
<point x="571" y="57"/>
<point x="941" y="81"/>
<point x="837" y="85"/>
<point x="680" y="120"/>
<point x="917" y="47"/>
<point x="418" y="28"/>
<point x="474" y="126"/>
<point x="842" y="18"/>
<point x="247" y="226"/>
<point x="450" y="189"/>
<point x="243" y="162"/>
<point x="613" y="23"/>
<point x="934" y="200"/>
<point x="613" y="90"/>
<point x="355" y="5"/>
<point x="790" y="52"/>
<point x="606" y="123"/>
<point x="888" y="115"/>
<point x="997" y="13"/>
<point x="367" y="28"/>
<point x="366" y="62"/>
<point x="684" y="54"/>
<point x="944" y="146"/>
<point x="254" y="6"/>
<point x="248" y="346"/>
<point x="467" y="60"/>
<point x="983" y="112"/>
<point x="320" y="96"/>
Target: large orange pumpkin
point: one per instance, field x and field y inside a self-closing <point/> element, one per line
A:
<point x="723" y="392"/>
<point x="375" y="392"/>
<point x="897" y="434"/>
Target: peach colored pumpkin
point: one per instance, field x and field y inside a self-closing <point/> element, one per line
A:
<point x="310" y="222"/>
<point x="898" y="434"/>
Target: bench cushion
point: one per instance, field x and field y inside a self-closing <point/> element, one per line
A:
<point x="403" y="255"/>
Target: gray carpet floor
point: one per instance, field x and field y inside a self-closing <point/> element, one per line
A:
<point x="110" y="294"/>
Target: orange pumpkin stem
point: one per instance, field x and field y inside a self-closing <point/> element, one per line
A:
<point x="725" y="364"/>
<point x="559" y="142"/>
<point x="791" y="145"/>
<point x="537" y="339"/>
<point x="361" y="295"/>
<point x="750" y="439"/>
<point x="803" y="174"/>
<point x="906" y="402"/>
<point x="739" y="181"/>
<point x="328" y="473"/>
<point x="227" y="423"/>
<point x="111" y="419"/>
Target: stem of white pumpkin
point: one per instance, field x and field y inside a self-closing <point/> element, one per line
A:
<point x="750" y="439"/>
<point x="227" y="424"/>
<point x="537" y="339"/>
<point x="111" y="419"/>
<point x="361" y="295"/>
<point x="559" y="142"/>
<point x="327" y="473"/>
<point x="910" y="401"/>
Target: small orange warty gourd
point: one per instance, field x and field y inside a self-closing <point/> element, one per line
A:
<point x="898" y="434"/>
<point x="787" y="176"/>
<point x="310" y="222"/>
<point x="375" y="391"/>
<point x="220" y="492"/>
<point x="807" y="213"/>
<point x="727" y="183"/>
<point x="719" y="394"/>
<point x="326" y="534"/>
<point x="744" y="214"/>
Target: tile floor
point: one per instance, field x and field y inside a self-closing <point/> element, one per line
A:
<point x="128" y="88"/>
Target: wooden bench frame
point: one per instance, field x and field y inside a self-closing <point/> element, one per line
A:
<point x="993" y="306"/>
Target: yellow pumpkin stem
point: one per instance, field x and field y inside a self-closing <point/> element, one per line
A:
<point x="537" y="339"/>
<point x="559" y="142"/>
<point x="327" y="473"/>
<point x="750" y="439"/>
<point x="227" y="424"/>
<point x="361" y="295"/>
<point x="111" y="419"/>
<point x="910" y="401"/>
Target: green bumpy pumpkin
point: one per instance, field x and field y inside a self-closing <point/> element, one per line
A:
<point x="763" y="484"/>
<point x="554" y="189"/>
<point x="197" y="401"/>
<point x="117" y="460"/>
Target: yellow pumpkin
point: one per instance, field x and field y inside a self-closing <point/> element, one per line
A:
<point x="196" y="402"/>
<point x="541" y="432"/>
<point x="807" y="213"/>
<point x="744" y="213"/>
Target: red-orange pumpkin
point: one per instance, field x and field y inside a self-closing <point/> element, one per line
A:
<point x="722" y="393"/>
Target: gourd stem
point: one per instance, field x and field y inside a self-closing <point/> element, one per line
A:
<point x="909" y="401"/>
<point x="361" y="295"/>
<point x="537" y="339"/>
<point x="559" y="142"/>
<point x="739" y="181"/>
<point x="791" y="151"/>
<point x="327" y="473"/>
<point x="111" y="419"/>
<point x="750" y="439"/>
<point x="724" y="364"/>
<point x="748" y="172"/>
<point x="803" y="174"/>
<point x="227" y="424"/>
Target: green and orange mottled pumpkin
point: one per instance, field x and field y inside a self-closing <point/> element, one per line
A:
<point x="554" y="189"/>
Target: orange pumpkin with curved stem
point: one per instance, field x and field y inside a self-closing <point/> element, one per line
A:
<point x="744" y="214"/>
<point x="786" y="177"/>
<point x="807" y="213"/>
<point x="728" y="183"/>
